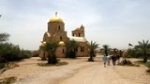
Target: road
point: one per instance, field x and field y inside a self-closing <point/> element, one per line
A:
<point x="98" y="74"/>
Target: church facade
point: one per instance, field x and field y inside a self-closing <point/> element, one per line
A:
<point x="56" y="33"/>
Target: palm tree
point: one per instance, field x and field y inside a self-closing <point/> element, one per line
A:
<point x="71" y="48"/>
<point x="51" y="48"/>
<point x="92" y="47"/>
<point x="106" y="48"/>
<point x="115" y="50"/>
<point x="144" y="48"/>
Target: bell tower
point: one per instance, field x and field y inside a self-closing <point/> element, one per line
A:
<point x="56" y="28"/>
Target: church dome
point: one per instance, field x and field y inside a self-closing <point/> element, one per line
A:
<point x="56" y="19"/>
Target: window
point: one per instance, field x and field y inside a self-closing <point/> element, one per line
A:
<point x="59" y="27"/>
<point x="63" y="51"/>
<point x="79" y="34"/>
<point x="82" y="49"/>
<point x="60" y="38"/>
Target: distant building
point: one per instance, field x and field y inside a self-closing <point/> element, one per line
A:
<point x="56" y="33"/>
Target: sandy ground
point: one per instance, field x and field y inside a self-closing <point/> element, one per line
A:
<point x="78" y="71"/>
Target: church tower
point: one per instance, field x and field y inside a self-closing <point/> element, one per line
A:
<point x="56" y="30"/>
<point x="79" y="32"/>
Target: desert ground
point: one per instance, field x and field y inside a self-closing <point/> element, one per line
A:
<point x="77" y="71"/>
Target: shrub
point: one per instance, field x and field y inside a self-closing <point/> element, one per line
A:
<point x="2" y="65"/>
<point x="10" y="52"/>
<point x="148" y="71"/>
<point x="57" y="64"/>
<point x="126" y="62"/>
<point x="8" y="80"/>
<point x="148" y="64"/>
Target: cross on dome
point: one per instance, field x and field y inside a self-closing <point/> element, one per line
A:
<point x="55" y="13"/>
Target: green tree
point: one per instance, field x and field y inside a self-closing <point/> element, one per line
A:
<point x="51" y="48"/>
<point x="143" y="48"/>
<point x="106" y="49"/>
<point x="115" y="50"/>
<point x="92" y="47"/>
<point x="10" y="52"/>
<point x="4" y="37"/>
<point x="71" y="48"/>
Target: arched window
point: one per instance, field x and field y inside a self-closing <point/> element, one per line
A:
<point x="63" y="50"/>
<point x="82" y="49"/>
<point x="60" y="38"/>
<point x="59" y="27"/>
<point x="79" y="34"/>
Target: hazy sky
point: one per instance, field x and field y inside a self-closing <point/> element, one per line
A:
<point x="112" y="22"/>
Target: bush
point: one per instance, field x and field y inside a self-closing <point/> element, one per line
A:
<point x="2" y="65"/>
<point x="8" y="80"/>
<point x="57" y="64"/>
<point x="10" y="52"/>
<point x="148" y="64"/>
<point x="148" y="71"/>
<point x="126" y="62"/>
<point x="133" y="53"/>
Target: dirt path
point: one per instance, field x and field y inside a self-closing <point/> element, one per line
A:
<point x="97" y="74"/>
<point x="78" y="71"/>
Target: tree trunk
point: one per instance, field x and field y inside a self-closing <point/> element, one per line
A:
<point x="106" y="53"/>
<point x="52" y="59"/>
<point x="145" y="59"/>
<point x="91" y="56"/>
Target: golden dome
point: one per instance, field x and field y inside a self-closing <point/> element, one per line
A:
<point x="56" y="18"/>
<point x="61" y="43"/>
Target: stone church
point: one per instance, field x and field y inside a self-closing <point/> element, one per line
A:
<point x="56" y="33"/>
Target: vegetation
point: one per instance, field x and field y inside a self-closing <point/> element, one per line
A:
<point x="10" y="52"/>
<point x="71" y="48"/>
<point x="6" y="66"/>
<point x="4" y="37"/>
<point x="148" y="65"/>
<point x="106" y="50"/>
<point x="2" y="65"/>
<point x="142" y="50"/>
<point x="58" y="64"/>
<point x="126" y="62"/>
<point x="92" y="47"/>
<point x="51" y="48"/>
<point x="8" y="80"/>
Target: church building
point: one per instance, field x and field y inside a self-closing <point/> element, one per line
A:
<point x="56" y="33"/>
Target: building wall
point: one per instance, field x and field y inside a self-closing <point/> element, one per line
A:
<point x="60" y="52"/>
<point x="82" y="50"/>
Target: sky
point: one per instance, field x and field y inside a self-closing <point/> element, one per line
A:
<point x="112" y="22"/>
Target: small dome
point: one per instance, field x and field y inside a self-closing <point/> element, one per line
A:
<point x="61" y="43"/>
<point x="56" y="19"/>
